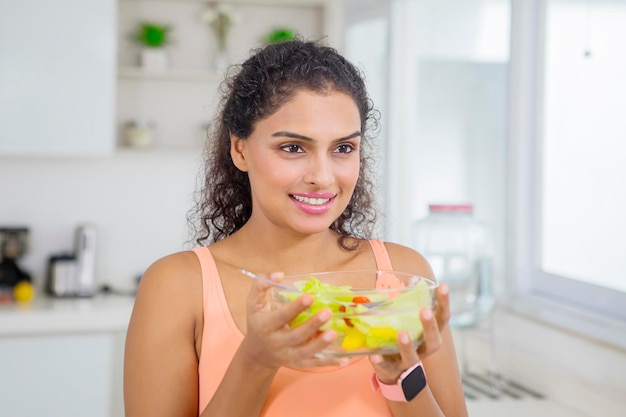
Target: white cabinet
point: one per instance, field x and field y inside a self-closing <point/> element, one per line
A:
<point x="59" y="376"/>
<point x="57" y="77"/>
<point x="177" y="104"/>
<point x="63" y="357"/>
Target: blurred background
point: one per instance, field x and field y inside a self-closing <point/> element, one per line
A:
<point x="506" y="112"/>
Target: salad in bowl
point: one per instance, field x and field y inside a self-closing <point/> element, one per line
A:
<point x="368" y="308"/>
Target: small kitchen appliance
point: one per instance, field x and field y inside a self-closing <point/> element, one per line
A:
<point x="13" y="245"/>
<point x="73" y="275"/>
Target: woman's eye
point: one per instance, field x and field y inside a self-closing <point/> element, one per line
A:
<point x="344" y="148"/>
<point x="292" y="148"/>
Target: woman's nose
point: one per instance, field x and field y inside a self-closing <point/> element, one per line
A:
<point x="319" y="172"/>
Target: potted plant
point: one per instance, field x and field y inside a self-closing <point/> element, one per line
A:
<point x="153" y="37"/>
<point x="280" y="34"/>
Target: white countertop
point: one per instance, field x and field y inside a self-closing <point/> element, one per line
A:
<point x="46" y="315"/>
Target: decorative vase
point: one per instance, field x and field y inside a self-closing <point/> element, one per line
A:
<point x="154" y="59"/>
<point x="138" y="135"/>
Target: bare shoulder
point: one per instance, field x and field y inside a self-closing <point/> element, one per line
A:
<point x="406" y="259"/>
<point x="171" y="286"/>
<point x="175" y="275"/>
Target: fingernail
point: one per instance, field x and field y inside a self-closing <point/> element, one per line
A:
<point x="404" y="338"/>
<point x="376" y="359"/>
<point x="324" y="315"/>
<point x="444" y="289"/>
<point x="307" y="300"/>
<point x="427" y="314"/>
<point x="344" y="361"/>
<point x="328" y="336"/>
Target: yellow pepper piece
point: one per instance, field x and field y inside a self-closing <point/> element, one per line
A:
<point x="383" y="332"/>
<point x="353" y="340"/>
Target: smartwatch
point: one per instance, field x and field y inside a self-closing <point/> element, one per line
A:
<point x="410" y="383"/>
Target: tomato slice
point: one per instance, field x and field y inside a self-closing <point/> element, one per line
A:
<point x="360" y="300"/>
<point x="342" y="309"/>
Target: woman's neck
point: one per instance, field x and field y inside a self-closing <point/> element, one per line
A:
<point x="290" y="253"/>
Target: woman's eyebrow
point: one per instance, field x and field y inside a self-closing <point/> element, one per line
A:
<point x="293" y="135"/>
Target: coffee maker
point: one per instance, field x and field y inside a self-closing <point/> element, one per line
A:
<point x="13" y="245"/>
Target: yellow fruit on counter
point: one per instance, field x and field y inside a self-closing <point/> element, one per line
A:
<point x="23" y="292"/>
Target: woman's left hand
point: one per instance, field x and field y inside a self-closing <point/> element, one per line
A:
<point x="389" y="367"/>
<point x="434" y="322"/>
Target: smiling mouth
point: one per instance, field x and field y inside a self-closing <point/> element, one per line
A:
<point x="311" y="201"/>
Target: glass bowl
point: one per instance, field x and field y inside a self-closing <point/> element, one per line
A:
<point x="369" y="307"/>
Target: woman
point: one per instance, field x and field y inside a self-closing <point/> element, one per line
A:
<point x="286" y="189"/>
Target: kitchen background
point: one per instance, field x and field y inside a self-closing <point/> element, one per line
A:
<point x="456" y="74"/>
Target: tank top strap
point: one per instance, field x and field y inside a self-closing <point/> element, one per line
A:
<point x="220" y="335"/>
<point x="380" y="254"/>
<point x="209" y="274"/>
<point x="383" y="262"/>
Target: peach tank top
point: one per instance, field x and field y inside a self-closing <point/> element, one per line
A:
<point x="313" y="392"/>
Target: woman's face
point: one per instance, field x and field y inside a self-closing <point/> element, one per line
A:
<point x="302" y="161"/>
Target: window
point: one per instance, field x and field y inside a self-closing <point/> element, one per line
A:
<point x="569" y="192"/>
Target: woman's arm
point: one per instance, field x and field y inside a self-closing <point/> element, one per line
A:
<point x="160" y="360"/>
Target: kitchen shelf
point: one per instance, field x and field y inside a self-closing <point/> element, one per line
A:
<point x="179" y="101"/>
<point x="171" y="74"/>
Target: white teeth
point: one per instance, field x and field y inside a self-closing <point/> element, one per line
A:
<point x="312" y="201"/>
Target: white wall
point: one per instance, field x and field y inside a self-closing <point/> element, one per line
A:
<point x="138" y="202"/>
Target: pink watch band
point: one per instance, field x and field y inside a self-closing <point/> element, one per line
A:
<point x="392" y="392"/>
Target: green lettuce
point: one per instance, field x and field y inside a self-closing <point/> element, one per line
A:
<point x="370" y="325"/>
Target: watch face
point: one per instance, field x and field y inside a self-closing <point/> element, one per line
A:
<point x="414" y="383"/>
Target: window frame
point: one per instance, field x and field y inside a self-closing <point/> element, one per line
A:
<point x="598" y="313"/>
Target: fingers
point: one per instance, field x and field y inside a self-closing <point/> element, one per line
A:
<point x="310" y="329"/>
<point x="290" y="311"/>
<point x="274" y="339"/>
<point x="432" y="336"/>
<point x="257" y="297"/>
<point x="389" y="367"/>
<point x="304" y="342"/>
<point x="307" y="330"/>
<point x="443" y="305"/>
<point x="407" y="349"/>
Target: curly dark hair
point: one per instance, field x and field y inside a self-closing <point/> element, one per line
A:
<point x="255" y="90"/>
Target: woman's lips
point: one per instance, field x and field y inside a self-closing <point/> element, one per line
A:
<point x="314" y="204"/>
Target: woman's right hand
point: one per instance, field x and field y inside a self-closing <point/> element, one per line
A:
<point x="271" y="342"/>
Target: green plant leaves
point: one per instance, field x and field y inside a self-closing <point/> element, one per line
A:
<point x="280" y="35"/>
<point x="153" y="35"/>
